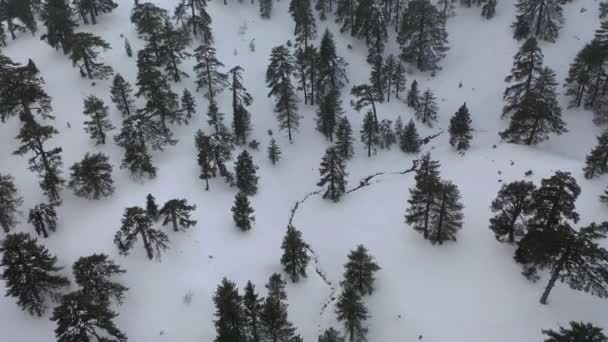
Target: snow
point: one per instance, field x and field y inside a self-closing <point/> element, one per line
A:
<point x="470" y="290"/>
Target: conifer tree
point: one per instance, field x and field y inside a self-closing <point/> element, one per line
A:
<point x="128" y="49"/>
<point x="331" y="335"/>
<point x="427" y="109"/>
<point x="23" y="11"/>
<point x="121" y="95"/>
<point x="585" y="75"/>
<point x="99" y="123"/>
<point x="324" y="7"/>
<point x="10" y="202"/>
<point x="513" y="206"/>
<point x="44" y="218"/>
<point x="229" y="313"/>
<point x="359" y="271"/>
<point x="295" y="258"/>
<point x="79" y="318"/>
<point x="413" y="96"/>
<point x="398" y="80"/>
<point x="399" y="125"/>
<point x="93" y="8"/>
<point x="604" y="197"/>
<point x="213" y="152"/>
<point x="554" y="202"/>
<point x="424" y="196"/>
<point x="275" y="326"/>
<point x="188" y="105"/>
<point x="57" y="18"/>
<point x="578" y="331"/>
<point x="351" y="310"/>
<point x="208" y="74"/>
<point x="409" y="140"/>
<point x="387" y="135"/>
<point x="252" y="308"/>
<point x="422" y="35"/>
<point x="369" y="133"/>
<point x="84" y="54"/>
<point x="215" y="118"/>
<point x="47" y="163"/>
<point x="333" y="174"/>
<point x="527" y="65"/>
<point x="460" y="129"/>
<point x="603" y="9"/>
<point x="371" y="23"/>
<point x="136" y="222"/>
<point x="278" y="78"/>
<point x="538" y="18"/>
<point x="2" y="33"/>
<point x="345" y="15"/>
<point x="328" y="113"/>
<point x="274" y="152"/>
<point x="488" y="10"/>
<point x="390" y="66"/>
<point x="29" y="272"/>
<point x="173" y="45"/>
<point x="305" y="29"/>
<point x="177" y="211"/>
<point x="378" y="78"/>
<point x="149" y="19"/>
<point x="446" y="7"/>
<point x="242" y="212"/>
<point x="92" y="177"/>
<point x="597" y="159"/>
<point x="241" y="99"/>
<point x="344" y="139"/>
<point x="366" y="95"/>
<point x="246" y="179"/>
<point x="94" y="274"/>
<point x="446" y="214"/>
<point x="197" y="19"/>
<point x="265" y="9"/>
<point x="152" y="209"/>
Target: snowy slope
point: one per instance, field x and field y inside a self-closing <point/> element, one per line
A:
<point x="465" y="291"/>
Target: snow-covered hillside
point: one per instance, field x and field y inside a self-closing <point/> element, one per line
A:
<point x="469" y="290"/>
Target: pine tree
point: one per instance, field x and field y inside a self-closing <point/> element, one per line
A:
<point x="387" y="135"/>
<point x="351" y="310"/>
<point x="331" y="68"/>
<point x="369" y="133"/>
<point x="29" y="272"/>
<point x="92" y="177"/>
<point x="242" y="212"/>
<point x="79" y="318"/>
<point x="345" y="14"/>
<point x="539" y="113"/>
<point x="152" y="209"/>
<point x="93" y="8"/>
<point x="228" y="312"/>
<point x="538" y="18"/>
<point x="409" y="140"/>
<point x="331" y="335"/>
<point x="241" y="118"/>
<point x="399" y="126"/>
<point x="554" y="202"/>
<point x="93" y="273"/>
<point x="427" y="109"/>
<point x="578" y="331"/>
<point x="513" y="207"/>
<point x="188" y="105"/>
<point x="328" y="113"/>
<point x="275" y="326"/>
<point x="586" y="75"/>
<point x="47" y="163"/>
<point x="128" y="49"/>
<point x="148" y="20"/>
<point x="359" y="271"/>
<point x="446" y="214"/>
<point x="99" y="123"/>
<point x="344" y="139"/>
<point x="413" y="96"/>
<point x="173" y="45"/>
<point x="278" y="78"/>
<point x="121" y="95"/>
<point x="57" y="18"/>
<point x="366" y="95"/>
<point x="399" y="79"/>
<point x="246" y="179"/>
<point x="460" y="129"/>
<point x="10" y="202"/>
<point x="84" y="54"/>
<point x="23" y="11"/>
<point x="295" y="258"/>
<point x="424" y="196"/>
<point x="488" y="10"/>
<point x="378" y="78"/>
<point x="305" y="29"/>
<point x="597" y="159"/>
<point x="44" y="218"/>
<point x="274" y="152"/>
<point x="422" y="35"/>
<point x="603" y="9"/>
<point x="197" y="19"/>
<point x="213" y="152"/>
<point x="215" y="118"/>
<point x="390" y="66"/>
<point x="265" y="8"/>
<point x="135" y="221"/>
<point x="252" y="308"/>
<point x="446" y="7"/>
<point x="177" y="211"/>
<point x="333" y="174"/>
<point x="208" y="74"/>
<point x="324" y="7"/>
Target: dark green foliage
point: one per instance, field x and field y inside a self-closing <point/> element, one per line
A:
<point x="387" y="135"/>
<point x="274" y="322"/>
<point x="93" y="273"/>
<point x="80" y="318"/>
<point x="359" y="271"/>
<point x="513" y="207"/>
<point x="195" y="18"/>
<point x="427" y="109"/>
<point x="10" y="202"/>
<point x="23" y="11"/>
<point x="47" y="163"/>
<point x="366" y="95"/>
<point x="188" y="106"/>
<point x="246" y="179"/>
<point x="554" y="202"/>
<point x="213" y="153"/>
<point x="424" y="196"/>
<point x="345" y="15"/>
<point x="369" y="133"/>
<point x="57" y="18"/>
<point x="351" y="310"/>
<point x="295" y="257"/>
<point x="371" y="24"/>
<point x="390" y="67"/>
<point x="84" y="55"/>
<point x="344" y="139"/>
<point x="422" y="35"/>
<point x="323" y="6"/>
<point x="399" y="80"/>
<point x="586" y="75"/>
<point x="578" y="331"/>
<point x="241" y="99"/>
<point x="92" y="8"/>
<point x="331" y="73"/>
<point x="208" y="74"/>
<point x="331" y="335"/>
<point x="413" y="96"/>
<point x="409" y="140"/>
<point x="278" y="78"/>
<point x="446" y="214"/>
<point x="604" y="197"/>
<point x="177" y="211"/>
<point x="29" y="272"/>
<point x="230" y="318"/>
<point x="378" y="78"/>
<point x="44" y="218"/>
<point x="121" y="95"/>
<point x="252" y="308"/>
<point x="333" y="174"/>
<point x="527" y="65"/>
<point x="274" y="152"/>
<point x="136" y="222"/>
<point x="603" y="9"/>
<point x="242" y="212"/>
<point x="597" y="159"/>
<point x="128" y="49"/>
<point x="305" y="29"/>
<point x="328" y="113"/>
<point x="138" y="161"/>
<point x="265" y="8"/>
<point x="460" y="129"/>
<point x="215" y="118"/>
<point x="538" y="18"/>
<point x="99" y="123"/>
<point x="488" y="10"/>
<point x="92" y="177"/>
<point x="172" y="51"/>
<point x="148" y="20"/>
<point x="152" y="209"/>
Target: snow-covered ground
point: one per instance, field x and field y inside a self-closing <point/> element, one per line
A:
<point x="470" y="290"/>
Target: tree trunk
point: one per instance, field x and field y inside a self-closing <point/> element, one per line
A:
<point x="103" y="135"/>
<point x="123" y="95"/>
<point x="554" y="276"/>
<point x="441" y="217"/>
<point x="193" y="15"/>
<point x="174" y="220"/>
<point x="147" y="246"/>
<point x="87" y="67"/>
<point x="539" y="18"/>
<point x="533" y="133"/>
